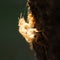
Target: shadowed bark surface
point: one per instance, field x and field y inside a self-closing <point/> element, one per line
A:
<point x="47" y="16"/>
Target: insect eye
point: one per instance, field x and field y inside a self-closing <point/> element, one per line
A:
<point x="35" y="36"/>
<point x="26" y="27"/>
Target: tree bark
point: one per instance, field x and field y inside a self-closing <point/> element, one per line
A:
<point x="47" y="16"/>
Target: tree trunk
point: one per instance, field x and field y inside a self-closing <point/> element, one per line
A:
<point x="47" y="16"/>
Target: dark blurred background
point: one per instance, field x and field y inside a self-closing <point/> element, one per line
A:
<point x="12" y="45"/>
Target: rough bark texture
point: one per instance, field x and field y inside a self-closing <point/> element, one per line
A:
<point x="47" y="16"/>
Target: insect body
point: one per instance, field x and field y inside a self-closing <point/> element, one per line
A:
<point x="27" y="30"/>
